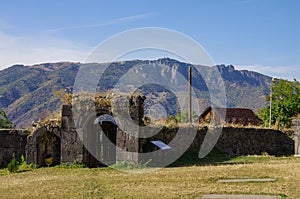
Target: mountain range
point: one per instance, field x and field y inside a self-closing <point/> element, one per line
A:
<point x="27" y="92"/>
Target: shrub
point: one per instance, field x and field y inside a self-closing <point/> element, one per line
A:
<point x="4" y="122"/>
<point x="13" y="166"/>
<point x="24" y="166"/>
<point x="75" y="164"/>
<point x="130" y="165"/>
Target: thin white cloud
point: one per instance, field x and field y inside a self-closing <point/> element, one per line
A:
<point x="111" y="22"/>
<point x="47" y="47"/>
<point x="285" y="72"/>
<point x="38" y="49"/>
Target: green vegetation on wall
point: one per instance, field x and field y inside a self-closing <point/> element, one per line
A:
<point x="4" y="122"/>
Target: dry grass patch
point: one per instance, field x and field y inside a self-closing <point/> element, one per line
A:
<point x="180" y="182"/>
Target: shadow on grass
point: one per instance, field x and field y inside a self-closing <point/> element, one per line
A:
<point x="215" y="157"/>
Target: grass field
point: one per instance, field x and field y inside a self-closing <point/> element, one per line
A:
<point x="173" y="182"/>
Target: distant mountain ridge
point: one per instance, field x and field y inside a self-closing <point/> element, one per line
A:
<point x="26" y="92"/>
<point x="253" y="78"/>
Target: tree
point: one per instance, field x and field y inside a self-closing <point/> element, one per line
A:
<point x="183" y="117"/>
<point x="285" y="103"/>
<point x="4" y="122"/>
<point x="64" y="96"/>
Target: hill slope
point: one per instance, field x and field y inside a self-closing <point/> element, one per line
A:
<point x="28" y="91"/>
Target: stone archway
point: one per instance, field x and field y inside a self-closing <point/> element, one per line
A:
<point x="100" y="138"/>
<point x="44" y="144"/>
<point x="108" y="146"/>
<point x="48" y="146"/>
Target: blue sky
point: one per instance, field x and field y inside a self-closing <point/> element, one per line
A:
<point x="259" y="35"/>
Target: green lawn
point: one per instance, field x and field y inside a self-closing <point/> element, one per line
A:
<point x="173" y="182"/>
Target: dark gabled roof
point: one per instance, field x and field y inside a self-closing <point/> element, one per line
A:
<point x="241" y="116"/>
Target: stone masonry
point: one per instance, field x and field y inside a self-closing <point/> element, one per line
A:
<point x="12" y="145"/>
<point x="296" y="123"/>
<point x="235" y="141"/>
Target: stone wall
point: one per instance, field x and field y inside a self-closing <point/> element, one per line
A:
<point x="296" y="124"/>
<point x="127" y="136"/>
<point x="251" y="141"/>
<point x="65" y="145"/>
<point x="72" y="148"/>
<point x="235" y="141"/>
<point x="12" y="145"/>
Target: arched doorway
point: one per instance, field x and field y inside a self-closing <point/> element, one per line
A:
<point x="101" y="141"/>
<point x="108" y="143"/>
<point x="48" y="147"/>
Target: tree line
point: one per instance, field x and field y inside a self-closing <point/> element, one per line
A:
<point x="285" y="104"/>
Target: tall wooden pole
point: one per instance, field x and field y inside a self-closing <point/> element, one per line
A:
<point x="270" y="121"/>
<point x="190" y="94"/>
<point x="271" y="96"/>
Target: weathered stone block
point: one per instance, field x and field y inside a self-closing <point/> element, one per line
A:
<point x="12" y="145"/>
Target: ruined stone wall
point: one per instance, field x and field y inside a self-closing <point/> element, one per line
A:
<point x="62" y="143"/>
<point x="44" y="141"/>
<point x="12" y="145"/>
<point x="251" y="141"/>
<point x="127" y="141"/>
<point x="236" y="141"/>
<point x="71" y="145"/>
